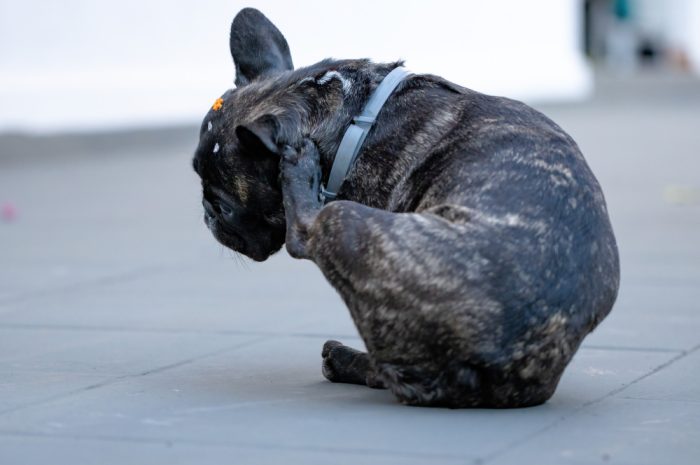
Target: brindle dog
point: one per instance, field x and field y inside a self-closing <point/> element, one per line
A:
<point x="470" y="240"/>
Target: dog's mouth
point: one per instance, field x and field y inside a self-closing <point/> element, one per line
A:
<point x="226" y="237"/>
<point x="225" y="233"/>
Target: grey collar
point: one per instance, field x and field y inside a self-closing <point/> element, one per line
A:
<point x="356" y="133"/>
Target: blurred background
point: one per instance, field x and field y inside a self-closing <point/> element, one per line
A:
<point x="125" y="328"/>
<point x="81" y="64"/>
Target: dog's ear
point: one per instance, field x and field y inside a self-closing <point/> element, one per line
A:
<point x="258" y="48"/>
<point x="260" y="136"/>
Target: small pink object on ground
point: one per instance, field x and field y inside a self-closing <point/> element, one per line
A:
<point x="8" y="212"/>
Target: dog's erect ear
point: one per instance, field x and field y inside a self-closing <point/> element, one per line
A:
<point x="260" y="136"/>
<point x="258" y="48"/>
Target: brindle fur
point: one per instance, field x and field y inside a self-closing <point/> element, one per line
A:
<point x="470" y="241"/>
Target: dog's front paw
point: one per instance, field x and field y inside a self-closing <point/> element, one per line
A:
<point x="343" y="364"/>
<point x="309" y="152"/>
<point x="306" y="152"/>
<point x="300" y="179"/>
<point x="329" y="367"/>
<point x="290" y="155"/>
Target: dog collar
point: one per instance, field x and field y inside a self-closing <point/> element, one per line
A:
<point x="356" y="133"/>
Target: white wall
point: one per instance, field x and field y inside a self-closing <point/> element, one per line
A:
<point x="79" y="64"/>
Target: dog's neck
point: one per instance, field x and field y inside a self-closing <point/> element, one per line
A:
<point x="387" y="157"/>
<point x="331" y="125"/>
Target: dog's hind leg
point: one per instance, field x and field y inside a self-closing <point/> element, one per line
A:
<point x="301" y="177"/>
<point x="301" y="185"/>
<point x="435" y="296"/>
<point x="352" y="244"/>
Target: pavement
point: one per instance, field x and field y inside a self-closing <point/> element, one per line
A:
<point x="128" y="336"/>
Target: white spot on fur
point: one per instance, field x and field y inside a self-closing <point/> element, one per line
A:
<point x="216" y="147"/>
<point x="209" y="126"/>
<point x="560" y="175"/>
<point x="347" y="85"/>
<point x="554" y="168"/>
<point x="509" y="219"/>
<point x="512" y="220"/>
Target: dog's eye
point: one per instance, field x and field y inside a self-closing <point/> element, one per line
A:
<point x="225" y="209"/>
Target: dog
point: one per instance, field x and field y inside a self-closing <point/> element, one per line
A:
<point x="469" y="240"/>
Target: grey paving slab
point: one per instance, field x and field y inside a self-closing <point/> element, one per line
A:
<point x="22" y="388"/>
<point x="217" y="294"/>
<point x="656" y="420"/>
<point x="97" y="218"/>
<point x="615" y="431"/>
<point x="220" y="294"/>
<point x="679" y="382"/>
<point x="271" y="394"/>
<point x="28" y="450"/>
<point x="101" y="352"/>
<point x="652" y="316"/>
<point x="67" y="363"/>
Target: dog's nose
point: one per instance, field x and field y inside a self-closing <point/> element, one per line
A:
<point x="208" y="208"/>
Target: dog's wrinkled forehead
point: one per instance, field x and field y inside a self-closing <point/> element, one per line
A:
<point x="245" y="104"/>
<point x="221" y="156"/>
<point x="234" y="107"/>
<point x="213" y="138"/>
<point x="277" y="93"/>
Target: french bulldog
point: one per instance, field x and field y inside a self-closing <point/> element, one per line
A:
<point x="470" y="240"/>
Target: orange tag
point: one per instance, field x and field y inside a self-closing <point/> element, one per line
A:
<point x="218" y="104"/>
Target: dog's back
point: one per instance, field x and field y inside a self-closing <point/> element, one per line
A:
<point x="506" y="261"/>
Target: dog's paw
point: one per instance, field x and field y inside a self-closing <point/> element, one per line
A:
<point x="343" y="364"/>
<point x="328" y="346"/>
<point x="329" y="367"/>
<point x="301" y="162"/>
<point x="307" y="152"/>
<point x="300" y="176"/>
<point x="290" y="155"/>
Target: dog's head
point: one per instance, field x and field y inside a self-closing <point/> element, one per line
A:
<point x="237" y="158"/>
<point x="271" y="106"/>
